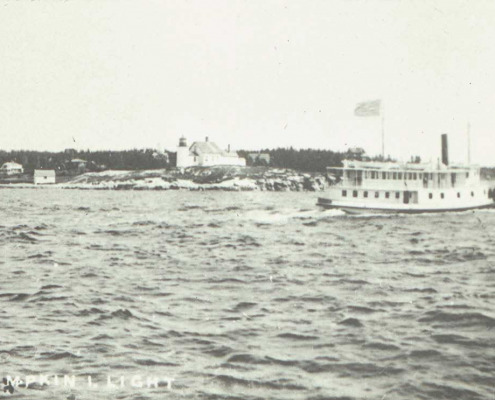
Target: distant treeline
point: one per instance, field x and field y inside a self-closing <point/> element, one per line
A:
<point x="309" y="160"/>
<point x="96" y="160"/>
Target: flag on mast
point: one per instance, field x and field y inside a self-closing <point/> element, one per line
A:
<point x="368" y="108"/>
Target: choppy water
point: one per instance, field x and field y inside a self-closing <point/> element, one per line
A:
<point x="244" y="296"/>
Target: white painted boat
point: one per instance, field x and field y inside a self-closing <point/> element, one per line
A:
<point x="392" y="187"/>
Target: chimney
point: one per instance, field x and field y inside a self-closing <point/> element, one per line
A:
<point x="206" y="138"/>
<point x="445" y="150"/>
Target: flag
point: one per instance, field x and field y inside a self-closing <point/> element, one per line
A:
<point x="368" y="108"/>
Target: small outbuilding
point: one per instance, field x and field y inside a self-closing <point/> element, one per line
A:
<point x="44" y="176"/>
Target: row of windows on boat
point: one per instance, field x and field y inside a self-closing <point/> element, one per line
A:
<point x="397" y="194"/>
<point x="399" y="175"/>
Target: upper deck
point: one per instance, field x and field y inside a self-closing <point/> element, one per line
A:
<point x="408" y="176"/>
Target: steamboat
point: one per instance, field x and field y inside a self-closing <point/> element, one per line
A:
<point x="392" y="187"/>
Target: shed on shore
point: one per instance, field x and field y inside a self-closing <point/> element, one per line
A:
<point x="44" y="176"/>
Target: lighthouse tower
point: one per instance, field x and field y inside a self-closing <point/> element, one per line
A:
<point x="183" y="158"/>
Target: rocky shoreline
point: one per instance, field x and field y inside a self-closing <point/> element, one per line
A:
<point x="201" y="178"/>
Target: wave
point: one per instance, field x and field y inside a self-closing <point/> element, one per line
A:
<point x="51" y="286"/>
<point x="148" y="362"/>
<point x="57" y="355"/>
<point x="89" y="311"/>
<point x="381" y="346"/>
<point x="217" y="350"/>
<point x="360" y="370"/>
<point x="244" y="305"/>
<point x="295" y="336"/>
<point x="361" y="309"/>
<point x="20" y="297"/>
<point x="461" y="340"/>
<point x="354" y="322"/>
<point x="458" y="319"/>
<point x="279" y="384"/>
<point x="24" y="237"/>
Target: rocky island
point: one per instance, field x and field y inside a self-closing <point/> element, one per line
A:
<point x="230" y="178"/>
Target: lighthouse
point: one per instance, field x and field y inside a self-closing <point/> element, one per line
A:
<point x="183" y="158"/>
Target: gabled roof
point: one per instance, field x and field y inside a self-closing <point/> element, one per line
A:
<point x="198" y="148"/>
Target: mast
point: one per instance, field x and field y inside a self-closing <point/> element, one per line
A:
<point x="383" y="130"/>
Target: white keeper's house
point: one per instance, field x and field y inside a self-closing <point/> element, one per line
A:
<point x="205" y="154"/>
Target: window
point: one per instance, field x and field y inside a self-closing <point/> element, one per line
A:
<point x="387" y="195"/>
<point x="458" y="195"/>
<point x="354" y="193"/>
<point x="415" y="176"/>
<point x="395" y="175"/>
<point x="384" y="175"/>
<point x="430" y="196"/>
<point x="472" y="194"/>
<point x="397" y="195"/>
<point x="377" y="195"/>
<point x="467" y="174"/>
<point x="400" y="175"/>
<point x="344" y="193"/>
<point x="365" y="194"/>
<point x="442" y="195"/>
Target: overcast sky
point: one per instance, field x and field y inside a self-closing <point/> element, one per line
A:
<point x="253" y="74"/>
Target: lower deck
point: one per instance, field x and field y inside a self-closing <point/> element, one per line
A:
<point x="433" y="200"/>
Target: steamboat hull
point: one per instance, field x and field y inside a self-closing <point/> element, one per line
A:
<point x="406" y="209"/>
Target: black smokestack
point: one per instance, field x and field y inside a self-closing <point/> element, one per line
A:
<point x="445" y="149"/>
